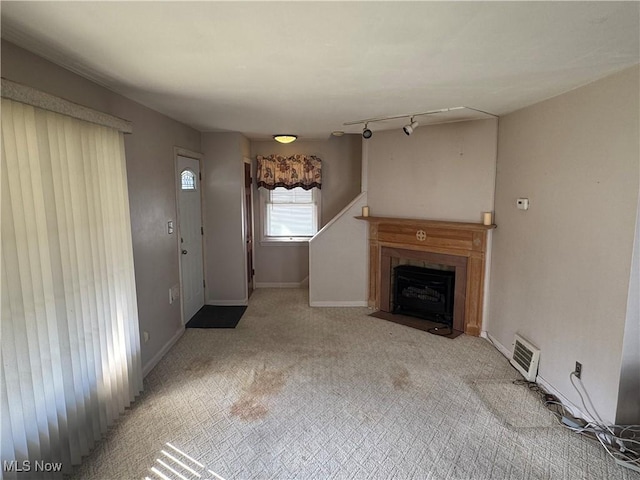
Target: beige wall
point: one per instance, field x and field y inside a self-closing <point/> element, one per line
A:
<point x="440" y="172"/>
<point x="341" y="164"/>
<point x="628" y="402"/>
<point x="560" y="271"/>
<point x="338" y="260"/>
<point x="224" y="235"/>
<point x="152" y="193"/>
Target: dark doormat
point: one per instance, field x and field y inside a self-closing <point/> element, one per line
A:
<point x="439" y="329"/>
<point x="213" y="316"/>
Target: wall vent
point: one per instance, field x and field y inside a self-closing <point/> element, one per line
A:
<point x="525" y="358"/>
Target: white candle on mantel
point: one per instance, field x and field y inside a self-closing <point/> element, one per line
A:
<point x="486" y="218"/>
<point x="365" y="211"/>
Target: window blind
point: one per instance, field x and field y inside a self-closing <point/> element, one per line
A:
<point x="291" y="213"/>
<point x="70" y="340"/>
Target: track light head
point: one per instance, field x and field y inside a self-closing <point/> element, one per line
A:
<point x="408" y="129"/>
<point x="366" y="133"/>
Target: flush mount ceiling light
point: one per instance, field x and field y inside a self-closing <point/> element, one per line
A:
<point x="408" y="129"/>
<point x="285" y="138"/>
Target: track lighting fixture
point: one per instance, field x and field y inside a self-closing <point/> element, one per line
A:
<point x="366" y="133"/>
<point x="408" y="129"/>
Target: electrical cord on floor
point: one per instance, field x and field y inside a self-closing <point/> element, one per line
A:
<point x="586" y="394"/>
<point x="533" y="386"/>
<point x="614" y="443"/>
<point x="621" y="442"/>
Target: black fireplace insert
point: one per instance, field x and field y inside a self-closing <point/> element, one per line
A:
<point x="424" y="292"/>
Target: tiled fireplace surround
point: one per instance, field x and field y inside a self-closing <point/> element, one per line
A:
<point x="454" y="244"/>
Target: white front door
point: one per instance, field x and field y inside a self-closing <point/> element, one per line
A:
<point x="190" y="231"/>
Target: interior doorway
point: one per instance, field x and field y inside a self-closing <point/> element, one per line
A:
<point x="190" y="233"/>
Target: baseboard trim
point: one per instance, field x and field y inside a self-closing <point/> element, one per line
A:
<point x="573" y="409"/>
<point x="228" y="303"/>
<point x="355" y="303"/>
<point x="501" y="348"/>
<point x="163" y="351"/>
<point x="278" y="284"/>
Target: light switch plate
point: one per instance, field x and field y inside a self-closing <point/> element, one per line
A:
<point x="174" y="293"/>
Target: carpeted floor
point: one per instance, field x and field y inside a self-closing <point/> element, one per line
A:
<point x="331" y="393"/>
<point x="440" y="329"/>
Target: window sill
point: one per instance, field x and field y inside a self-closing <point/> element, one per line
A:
<point x="285" y="242"/>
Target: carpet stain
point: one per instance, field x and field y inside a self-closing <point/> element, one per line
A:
<point x="249" y="409"/>
<point x="265" y="383"/>
<point x="199" y="366"/>
<point x="400" y="379"/>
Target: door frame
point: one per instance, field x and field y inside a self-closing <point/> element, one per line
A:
<point x="183" y="152"/>
<point x="250" y="214"/>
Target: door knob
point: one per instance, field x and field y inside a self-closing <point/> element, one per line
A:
<point x="184" y="252"/>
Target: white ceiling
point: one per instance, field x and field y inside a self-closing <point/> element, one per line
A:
<point x="307" y="67"/>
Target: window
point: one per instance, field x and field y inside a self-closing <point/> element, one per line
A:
<point x="290" y="215"/>
<point x="188" y="180"/>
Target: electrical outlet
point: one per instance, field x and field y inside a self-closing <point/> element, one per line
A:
<point x="578" y="370"/>
<point x="145" y="336"/>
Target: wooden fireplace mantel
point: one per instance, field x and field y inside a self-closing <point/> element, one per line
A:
<point x="459" y="244"/>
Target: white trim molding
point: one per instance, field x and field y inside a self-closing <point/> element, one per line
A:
<point x="501" y="348"/>
<point x="355" y="303"/>
<point x="338" y="216"/>
<point x="183" y="152"/>
<point x="573" y="409"/>
<point x="228" y="303"/>
<point x="278" y="284"/>
<point x="163" y="351"/>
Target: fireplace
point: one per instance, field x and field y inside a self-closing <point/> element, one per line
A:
<point x="461" y="247"/>
<point x="424" y="292"/>
<point x="454" y="265"/>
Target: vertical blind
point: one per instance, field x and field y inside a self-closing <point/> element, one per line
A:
<point x="69" y="329"/>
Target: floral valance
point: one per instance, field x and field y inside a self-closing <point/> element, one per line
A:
<point x="289" y="172"/>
